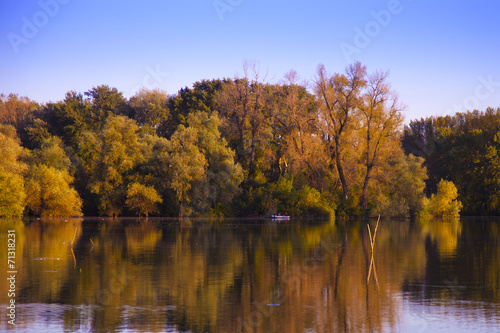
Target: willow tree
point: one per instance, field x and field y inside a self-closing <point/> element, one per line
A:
<point x="186" y="165"/>
<point x="202" y="169"/>
<point x="381" y="117"/>
<point x="50" y="193"/>
<point x="118" y="151"/>
<point x="339" y="97"/>
<point x="12" y="169"/>
<point x="49" y="182"/>
<point x="223" y="175"/>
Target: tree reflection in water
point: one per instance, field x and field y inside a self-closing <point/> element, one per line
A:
<point x="244" y="275"/>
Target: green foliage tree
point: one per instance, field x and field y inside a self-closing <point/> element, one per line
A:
<point x="463" y="149"/>
<point x="69" y="118"/>
<point x="201" y="97"/>
<point x="149" y="108"/>
<point x="105" y="101"/>
<point x="143" y="199"/>
<point x="52" y="153"/>
<point x="223" y="175"/>
<point x="398" y="189"/>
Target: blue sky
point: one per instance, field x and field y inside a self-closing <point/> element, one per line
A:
<point x="442" y="55"/>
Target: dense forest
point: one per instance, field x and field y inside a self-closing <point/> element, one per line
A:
<point x="246" y="147"/>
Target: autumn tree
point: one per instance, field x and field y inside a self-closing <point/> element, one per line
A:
<point x="142" y="199"/>
<point x="186" y="165"/>
<point x="12" y="170"/>
<point x="49" y="182"/>
<point x="118" y="150"/>
<point x="223" y="175"/>
<point x="246" y="105"/>
<point x="381" y="118"/>
<point x="445" y="203"/>
<point x="295" y="128"/>
<point x="338" y="100"/>
<point x="18" y="112"/>
<point x="50" y="193"/>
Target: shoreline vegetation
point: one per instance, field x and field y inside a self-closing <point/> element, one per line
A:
<point x="246" y="147"/>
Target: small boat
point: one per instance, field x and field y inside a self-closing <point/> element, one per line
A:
<point x="280" y="217"/>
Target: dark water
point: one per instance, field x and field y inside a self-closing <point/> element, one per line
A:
<point x="95" y="275"/>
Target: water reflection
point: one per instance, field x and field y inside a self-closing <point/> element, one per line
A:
<point x="153" y="275"/>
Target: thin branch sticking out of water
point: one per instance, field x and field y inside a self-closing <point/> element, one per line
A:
<point x="372" y="244"/>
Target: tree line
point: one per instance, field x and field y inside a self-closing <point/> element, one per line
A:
<point x="463" y="149"/>
<point x="224" y="147"/>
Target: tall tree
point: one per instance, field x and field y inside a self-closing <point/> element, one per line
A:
<point x="295" y="126"/>
<point x="381" y="117"/>
<point x="223" y="175"/>
<point x="187" y="165"/>
<point x="246" y="105"/>
<point x="119" y="150"/>
<point x="339" y="98"/>
<point x="12" y="169"/>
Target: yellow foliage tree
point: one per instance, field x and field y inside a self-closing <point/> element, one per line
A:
<point x="50" y="194"/>
<point x="444" y="203"/>
<point x="12" y="194"/>
<point x="142" y="199"/>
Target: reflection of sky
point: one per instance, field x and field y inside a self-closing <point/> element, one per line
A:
<point x="463" y="316"/>
<point x="436" y="51"/>
<point x="414" y="317"/>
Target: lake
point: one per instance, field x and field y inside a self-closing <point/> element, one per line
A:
<point x="244" y="275"/>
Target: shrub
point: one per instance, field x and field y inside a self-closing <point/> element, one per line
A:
<point x="444" y="203"/>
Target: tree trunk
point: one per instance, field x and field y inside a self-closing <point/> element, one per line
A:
<point x="340" y="170"/>
<point x="364" y="195"/>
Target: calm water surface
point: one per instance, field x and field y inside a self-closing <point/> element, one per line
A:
<point x="157" y="275"/>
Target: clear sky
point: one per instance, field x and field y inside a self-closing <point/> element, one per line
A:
<point x="443" y="56"/>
